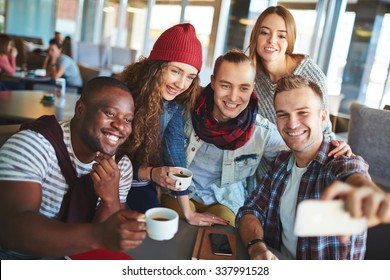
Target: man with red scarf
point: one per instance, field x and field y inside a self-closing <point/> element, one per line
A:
<point x="227" y="139"/>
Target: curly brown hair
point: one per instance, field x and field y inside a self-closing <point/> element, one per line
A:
<point x="144" y="78"/>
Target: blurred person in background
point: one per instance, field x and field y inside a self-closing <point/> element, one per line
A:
<point x="59" y="65"/>
<point x="8" y="54"/>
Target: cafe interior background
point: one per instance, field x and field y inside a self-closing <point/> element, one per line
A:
<point x="349" y="39"/>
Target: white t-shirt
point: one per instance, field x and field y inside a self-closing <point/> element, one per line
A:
<point x="288" y="204"/>
<point x="28" y="156"/>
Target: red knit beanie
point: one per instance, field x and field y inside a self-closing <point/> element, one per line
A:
<point x="178" y="43"/>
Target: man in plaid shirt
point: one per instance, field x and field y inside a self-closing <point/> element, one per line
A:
<point x="268" y="215"/>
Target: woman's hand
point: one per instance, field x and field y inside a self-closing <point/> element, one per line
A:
<point x="14" y="52"/>
<point x="159" y="175"/>
<point x="341" y="149"/>
<point x="199" y="219"/>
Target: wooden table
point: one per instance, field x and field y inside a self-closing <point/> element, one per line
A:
<point x="26" y="105"/>
<point x="28" y="81"/>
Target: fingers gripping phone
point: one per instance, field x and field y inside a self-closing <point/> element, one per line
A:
<point x="321" y="218"/>
<point x="220" y="244"/>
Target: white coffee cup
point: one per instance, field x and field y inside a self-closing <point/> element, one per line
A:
<point x="60" y="92"/>
<point x="183" y="178"/>
<point x="161" y="223"/>
<point x="40" y="72"/>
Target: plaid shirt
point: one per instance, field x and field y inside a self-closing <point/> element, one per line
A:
<point x="264" y="203"/>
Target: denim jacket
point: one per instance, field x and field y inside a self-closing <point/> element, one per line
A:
<point x="237" y="179"/>
<point x="172" y="128"/>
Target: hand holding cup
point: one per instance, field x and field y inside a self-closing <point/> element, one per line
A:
<point x="183" y="178"/>
<point x="161" y="223"/>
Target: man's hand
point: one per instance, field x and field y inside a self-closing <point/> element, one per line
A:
<point x="260" y="251"/>
<point x="122" y="231"/>
<point x="105" y="176"/>
<point x="363" y="201"/>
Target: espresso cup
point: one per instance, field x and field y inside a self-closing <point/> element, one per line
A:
<point x="161" y="223"/>
<point x="183" y="178"/>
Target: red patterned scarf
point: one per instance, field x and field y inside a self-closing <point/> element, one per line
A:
<point x="229" y="135"/>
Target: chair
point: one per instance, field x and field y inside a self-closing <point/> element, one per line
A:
<point x="92" y="55"/>
<point x="21" y="58"/>
<point x="369" y="134"/>
<point x="88" y="72"/>
<point x="334" y="102"/>
<point x="6" y="131"/>
<point x="120" y="57"/>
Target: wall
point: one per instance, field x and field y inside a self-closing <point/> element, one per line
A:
<point x="32" y="18"/>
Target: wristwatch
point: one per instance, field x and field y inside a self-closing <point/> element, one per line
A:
<point x="254" y="241"/>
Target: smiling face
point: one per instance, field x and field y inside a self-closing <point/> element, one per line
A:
<point x="105" y="120"/>
<point x="300" y="117"/>
<point x="233" y="85"/>
<point x="177" y="78"/>
<point x="272" y="39"/>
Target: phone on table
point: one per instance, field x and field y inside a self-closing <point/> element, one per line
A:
<point x="220" y="244"/>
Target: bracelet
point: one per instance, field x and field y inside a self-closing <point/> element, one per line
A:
<point x="254" y="241"/>
<point x="150" y="174"/>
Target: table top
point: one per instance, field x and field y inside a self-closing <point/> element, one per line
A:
<point x="31" y="78"/>
<point x="23" y="77"/>
<point x="26" y="105"/>
<point x="181" y="246"/>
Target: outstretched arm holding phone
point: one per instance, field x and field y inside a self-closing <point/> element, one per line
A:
<point x="365" y="201"/>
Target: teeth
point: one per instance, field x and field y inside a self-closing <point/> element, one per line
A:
<point x="295" y="133"/>
<point x="270" y="49"/>
<point x="231" y="105"/>
<point x="173" y="91"/>
<point x="113" y="138"/>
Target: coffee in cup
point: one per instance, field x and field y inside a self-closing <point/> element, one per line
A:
<point x="161" y="223"/>
<point x="183" y="178"/>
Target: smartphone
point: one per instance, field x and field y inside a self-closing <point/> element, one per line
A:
<point x="220" y="244"/>
<point x="324" y="218"/>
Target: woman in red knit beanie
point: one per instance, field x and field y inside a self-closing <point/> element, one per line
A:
<point x="164" y="86"/>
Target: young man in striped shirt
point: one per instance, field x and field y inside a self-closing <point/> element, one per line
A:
<point x="37" y="213"/>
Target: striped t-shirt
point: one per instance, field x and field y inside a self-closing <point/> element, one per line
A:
<point x="28" y="156"/>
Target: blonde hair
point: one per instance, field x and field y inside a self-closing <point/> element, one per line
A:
<point x="296" y="82"/>
<point x="234" y="56"/>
